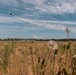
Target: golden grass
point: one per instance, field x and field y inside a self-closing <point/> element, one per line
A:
<point x="19" y="61"/>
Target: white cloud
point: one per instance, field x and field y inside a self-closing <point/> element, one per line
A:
<point x="47" y="25"/>
<point x="6" y="19"/>
<point x="47" y="6"/>
<point x="10" y="2"/>
<point x="59" y="22"/>
<point x="55" y="6"/>
<point x="36" y="37"/>
<point x="5" y="29"/>
<point x="56" y="25"/>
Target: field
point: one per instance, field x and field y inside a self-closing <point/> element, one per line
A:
<point x="37" y="57"/>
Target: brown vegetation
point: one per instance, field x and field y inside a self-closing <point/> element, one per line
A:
<point x="37" y="58"/>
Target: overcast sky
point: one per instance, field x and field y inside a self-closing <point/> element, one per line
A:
<point x="37" y="18"/>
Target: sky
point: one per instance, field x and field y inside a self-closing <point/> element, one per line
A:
<point x="40" y="19"/>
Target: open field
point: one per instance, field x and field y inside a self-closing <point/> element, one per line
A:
<point x="37" y="58"/>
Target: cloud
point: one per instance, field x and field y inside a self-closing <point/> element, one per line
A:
<point x="37" y="9"/>
<point x="36" y="37"/>
<point x="56" y="25"/>
<point x="55" y="6"/>
<point x="59" y="22"/>
<point x="10" y="29"/>
<point x="10" y="2"/>
<point x="6" y="19"/>
<point x="46" y="25"/>
<point x="9" y="19"/>
<point x="44" y="6"/>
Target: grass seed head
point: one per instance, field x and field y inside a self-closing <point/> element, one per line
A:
<point x="64" y="46"/>
<point x="68" y="46"/>
<point x="33" y="41"/>
<point x="53" y="45"/>
<point x="5" y="44"/>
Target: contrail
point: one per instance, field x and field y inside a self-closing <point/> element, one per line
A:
<point x="46" y="25"/>
<point x="60" y="22"/>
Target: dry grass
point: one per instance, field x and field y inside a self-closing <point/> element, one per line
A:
<point x="35" y="58"/>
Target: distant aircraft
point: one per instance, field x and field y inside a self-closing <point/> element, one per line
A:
<point x="11" y="13"/>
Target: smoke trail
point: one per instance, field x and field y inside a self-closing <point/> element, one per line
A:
<point x="46" y="25"/>
<point x="59" y="22"/>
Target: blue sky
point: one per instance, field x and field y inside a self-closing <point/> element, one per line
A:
<point x="37" y="19"/>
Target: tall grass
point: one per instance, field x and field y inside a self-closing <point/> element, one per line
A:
<point x="46" y="58"/>
<point x="8" y="49"/>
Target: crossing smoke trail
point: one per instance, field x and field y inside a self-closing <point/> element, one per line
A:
<point x="46" y="25"/>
